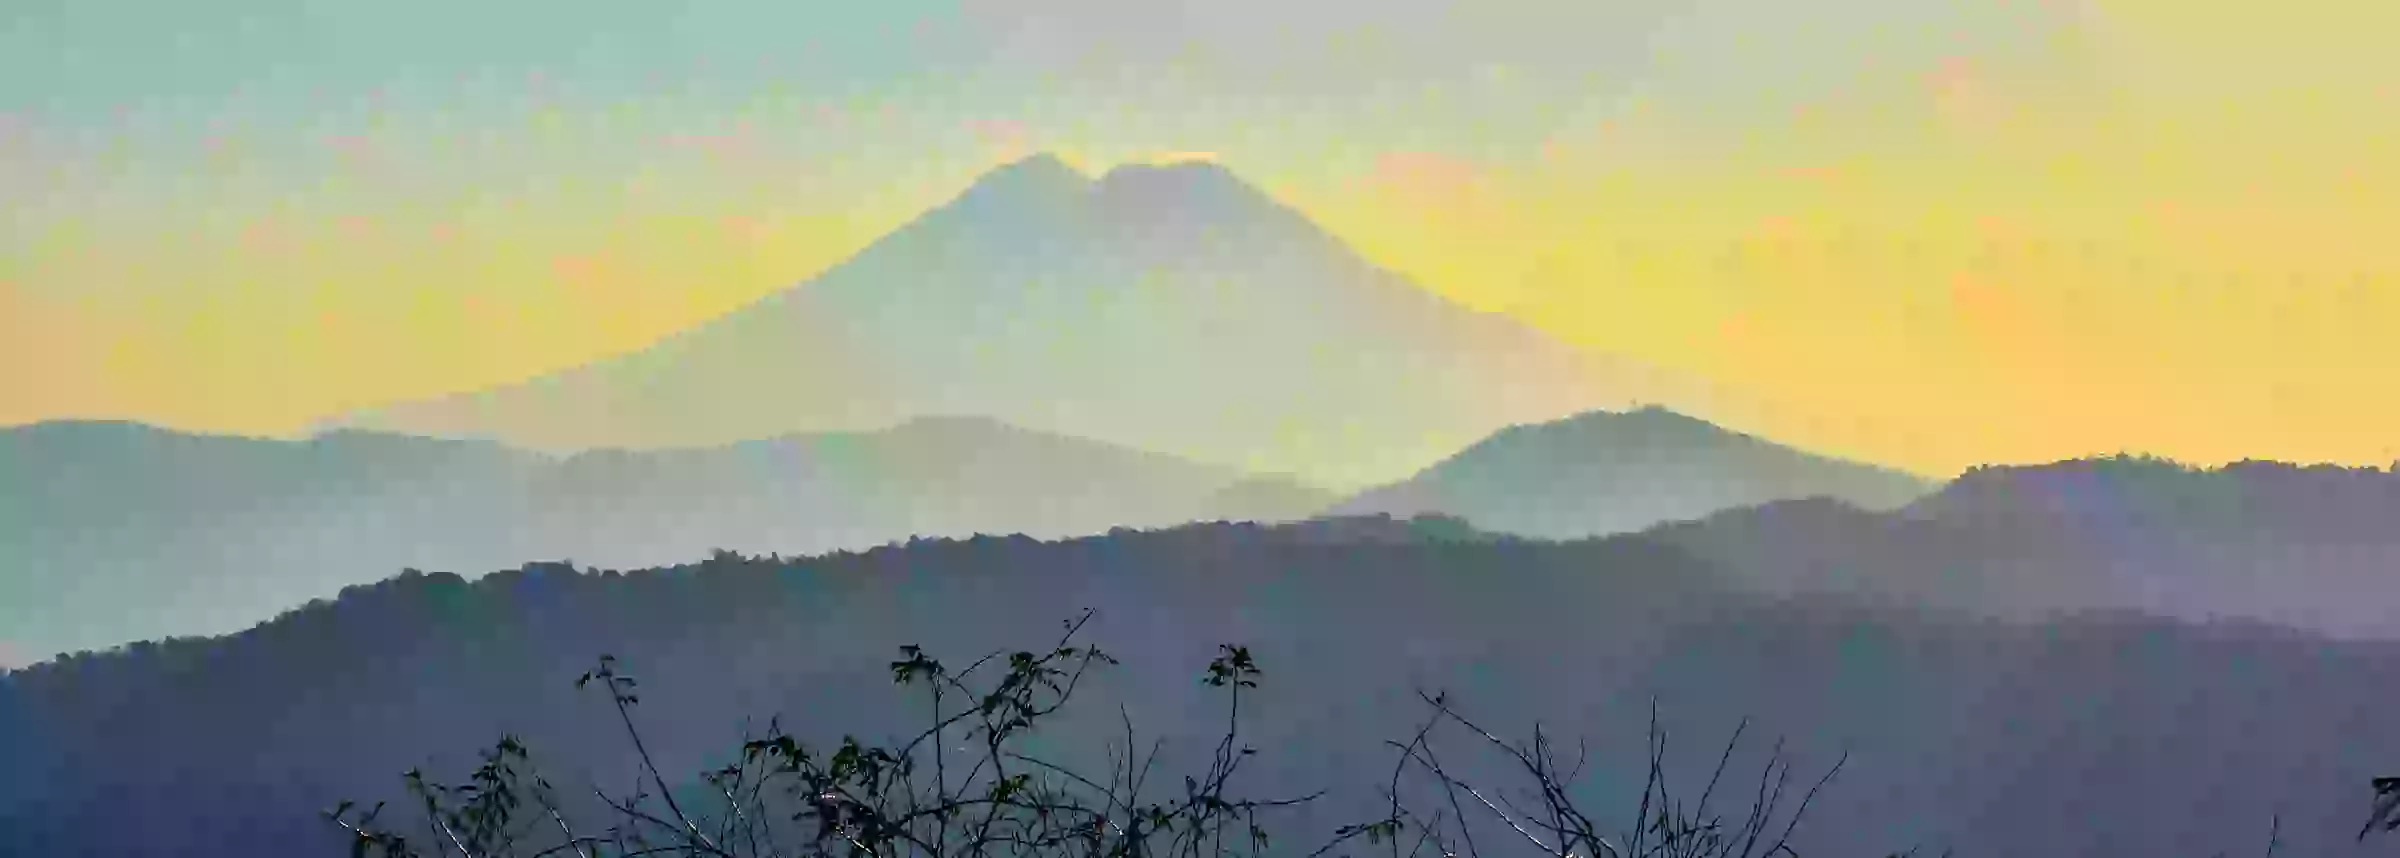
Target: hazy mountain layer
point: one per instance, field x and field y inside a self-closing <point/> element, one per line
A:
<point x="2103" y="735"/>
<point x="1170" y="308"/>
<point x="2316" y="548"/>
<point x="117" y="532"/>
<point x="1606" y="472"/>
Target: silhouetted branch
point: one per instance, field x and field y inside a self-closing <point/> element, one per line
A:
<point x="868" y="802"/>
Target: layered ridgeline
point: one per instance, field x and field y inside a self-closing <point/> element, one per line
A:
<point x="2098" y="734"/>
<point x="1171" y="308"/>
<point x="1616" y="472"/>
<point x="2313" y="547"/>
<point x="113" y="532"/>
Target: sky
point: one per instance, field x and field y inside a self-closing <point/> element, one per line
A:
<point x="1930" y="233"/>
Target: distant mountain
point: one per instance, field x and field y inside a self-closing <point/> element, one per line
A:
<point x="1165" y="307"/>
<point x="1607" y="472"/>
<point x="2101" y="734"/>
<point x="112" y="532"/>
<point x="2327" y="503"/>
<point x="2311" y="547"/>
<point x="1268" y="499"/>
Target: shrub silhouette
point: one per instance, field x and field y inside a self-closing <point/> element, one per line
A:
<point x="783" y="797"/>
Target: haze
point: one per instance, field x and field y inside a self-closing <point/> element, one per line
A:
<point x="1925" y="235"/>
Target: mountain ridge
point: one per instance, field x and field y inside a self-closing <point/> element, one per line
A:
<point x="116" y="531"/>
<point x="1604" y="472"/>
<point x="1929" y="702"/>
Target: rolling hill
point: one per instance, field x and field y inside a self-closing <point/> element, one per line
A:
<point x="2308" y="547"/>
<point x="112" y="532"/>
<point x="2084" y="733"/>
<point x="1605" y="472"/>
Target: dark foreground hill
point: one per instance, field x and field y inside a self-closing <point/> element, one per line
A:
<point x="2098" y="735"/>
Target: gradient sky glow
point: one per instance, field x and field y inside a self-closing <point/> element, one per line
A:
<point x="1925" y="233"/>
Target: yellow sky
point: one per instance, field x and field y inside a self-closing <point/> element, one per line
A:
<point x="2190" y="254"/>
<point x="2177" y="236"/>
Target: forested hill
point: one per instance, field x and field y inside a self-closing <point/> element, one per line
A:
<point x="2104" y="734"/>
